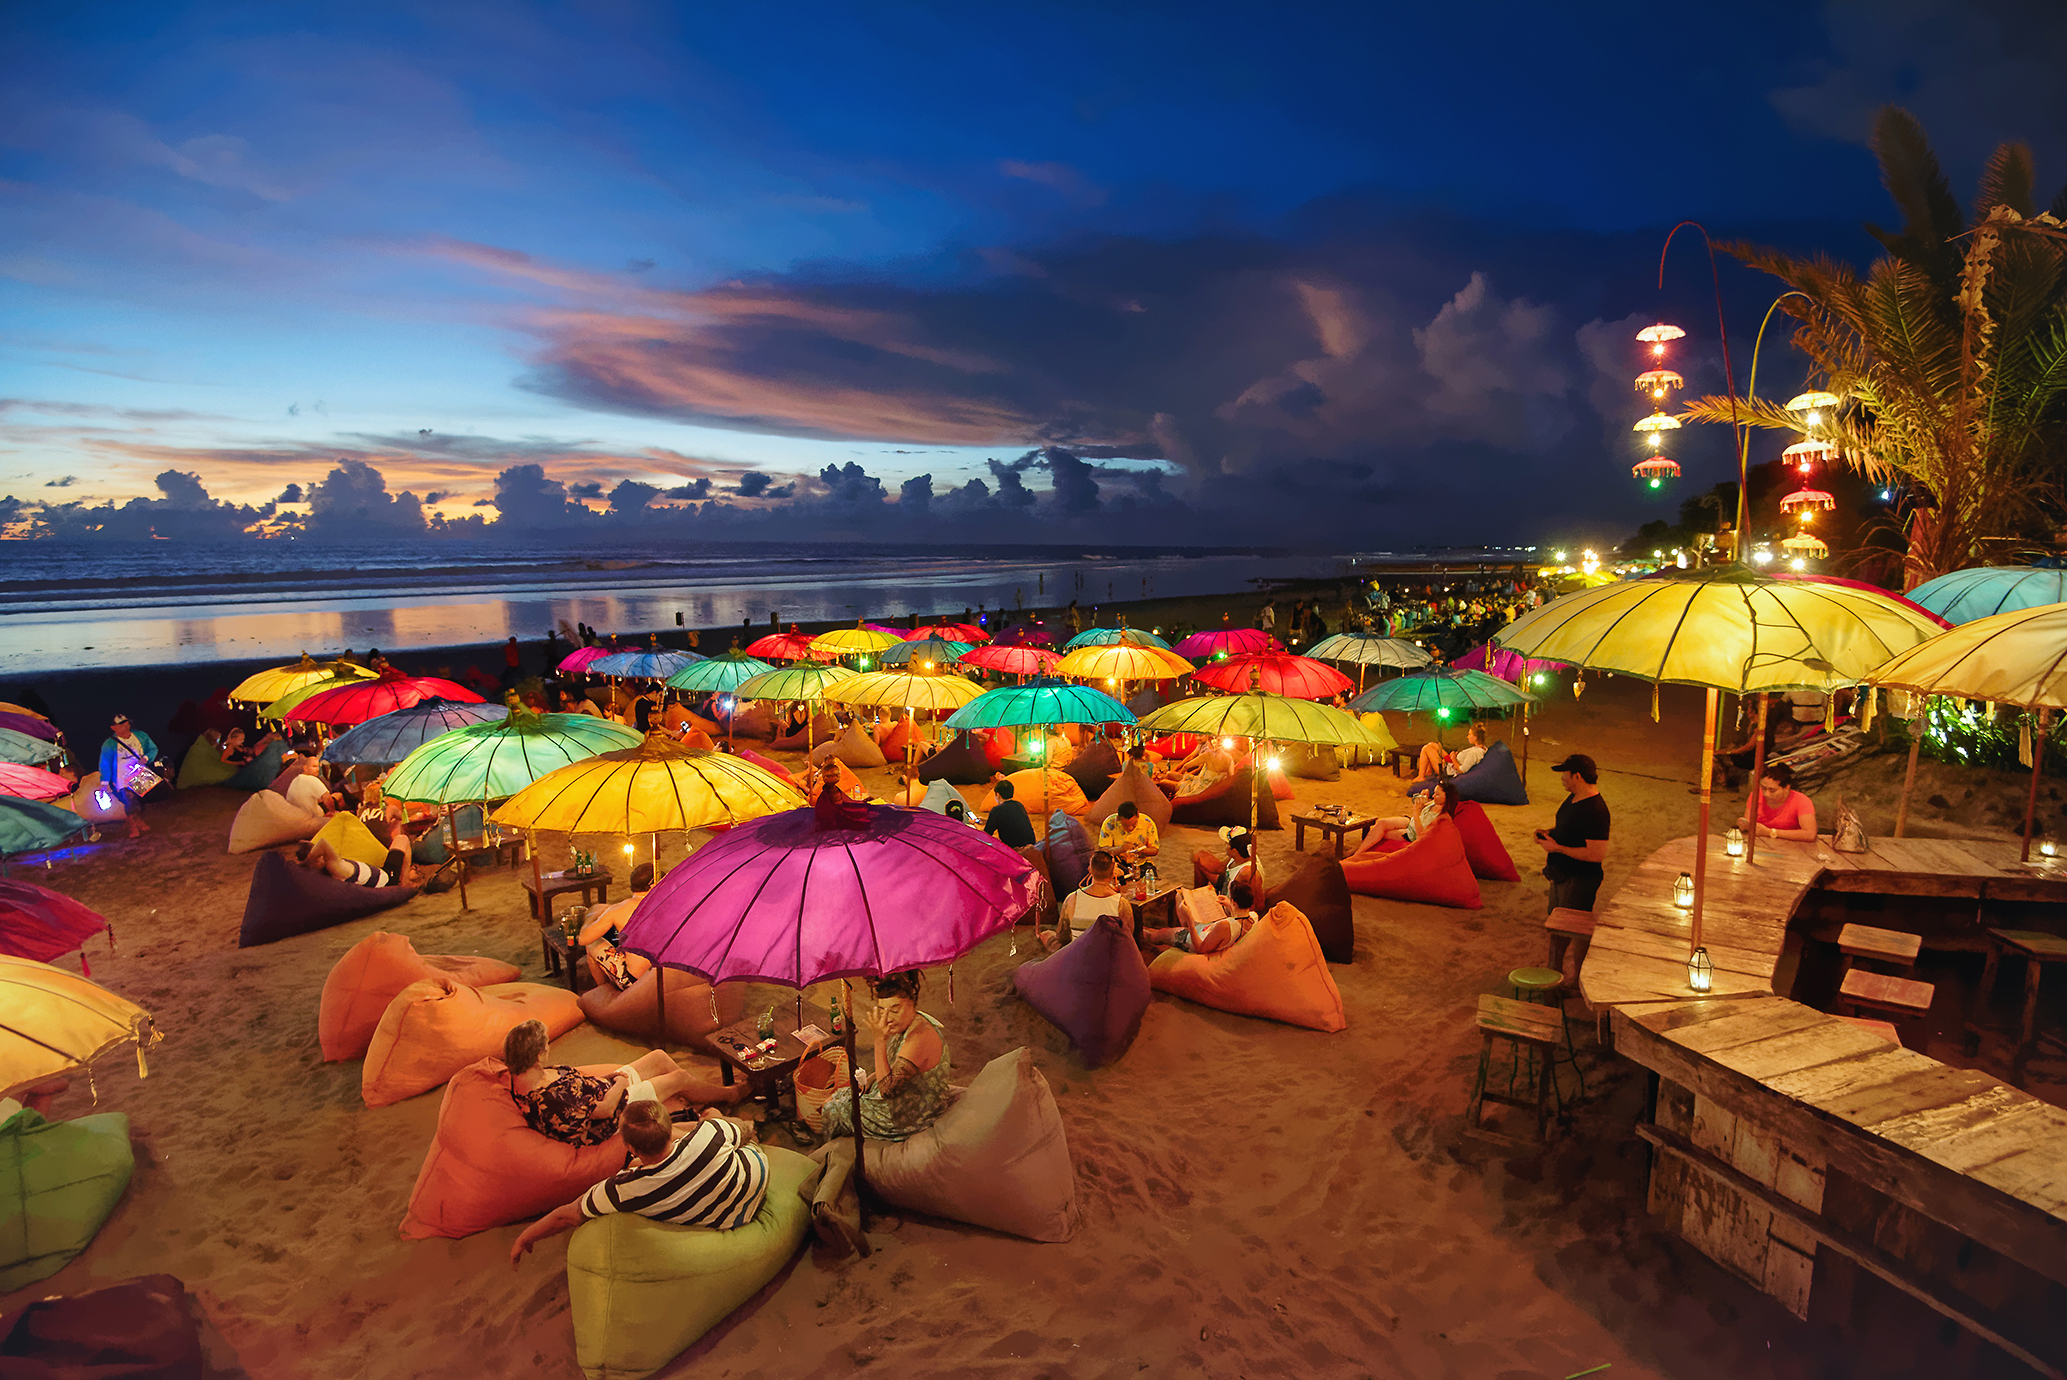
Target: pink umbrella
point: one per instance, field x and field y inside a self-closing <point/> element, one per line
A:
<point x="580" y="657"/>
<point x="949" y="632"/>
<point x="41" y="924"/>
<point x="789" y="646"/>
<point x="32" y="783"/>
<point x="369" y="699"/>
<point x="1498" y="661"/>
<point x="1018" y="661"/>
<point x="29" y="724"/>
<point x="1025" y="635"/>
<point x="1202" y="647"/>
<point x="1279" y="673"/>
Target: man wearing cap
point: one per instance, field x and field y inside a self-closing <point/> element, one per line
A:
<point x="1225" y="874"/>
<point x="1576" y="845"/>
<point x="129" y="767"/>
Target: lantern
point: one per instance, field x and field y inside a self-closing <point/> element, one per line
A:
<point x="1656" y="336"/>
<point x="1805" y="502"/>
<point x="2045" y="848"/>
<point x="1657" y="381"/>
<point x="1733" y="843"/>
<point x="1656" y="470"/>
<point x="1683" y="891"/>
<point x="1700" y="971"/>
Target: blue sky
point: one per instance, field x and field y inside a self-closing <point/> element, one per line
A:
<point x="1211" y="252"/>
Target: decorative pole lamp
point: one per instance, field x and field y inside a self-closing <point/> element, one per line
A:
<point x="1733" y="842"/>
<point x="1683" y="891"/>
<point x="1700" y="970"/>
<point x="1804" y="455"/>
<point x="1654" y="469"/>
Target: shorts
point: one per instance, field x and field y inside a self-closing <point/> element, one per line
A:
<point x="639" y="1091"/>
<point x="1573" y="893"/>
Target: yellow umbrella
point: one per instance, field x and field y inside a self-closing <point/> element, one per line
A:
<point x="52" y="1020"/>
<point x="2017" y="658"/>
<point x="656" y="786"/>
<point x="904" y="690"/>
<point x="263" y="687"/>
<point x="1130" y="658"/>
<point x="854" y="641"/>
<point x="7" y="707"/>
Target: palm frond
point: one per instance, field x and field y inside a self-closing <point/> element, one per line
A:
<point x="2006" y="181"/>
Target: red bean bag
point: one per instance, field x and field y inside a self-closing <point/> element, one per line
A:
<point x="1135" y="784"/>
<point x="769" y="765"/>
<point x="1276" y="970"/>
<point x="371" y="974"/>
<point x="1432" y="869"/>
<point x="894" y="738"/>
<point x="1175" y="747"/>
<point x="1225" y="802"/>
<point x="996" y="744"/>
<point x="1094" y="990"/>
<point x="435" y="1028"/>
<point x="1320" y="892"/>
<point x="691" y="1015"/>
<point x="486" y="1168"/>
<point x="1488" y="856"/>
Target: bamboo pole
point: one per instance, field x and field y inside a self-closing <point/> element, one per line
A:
<point x="2037" y="761"/>
<point x="1758" y="771"/>
<point x="452" y="833"/>
<point x="1701" y="833"/>
<point x="1909" y="778"/>
<point x="854" y="1089"/>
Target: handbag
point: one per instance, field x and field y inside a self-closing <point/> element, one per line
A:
<point x="143" y="780"/>
<point x="1850" y="835"/>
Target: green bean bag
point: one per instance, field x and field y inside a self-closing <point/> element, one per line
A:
<point x="59" y="1181"/>
<point x="203" y="766"/>
<point x="642" y="1292"/>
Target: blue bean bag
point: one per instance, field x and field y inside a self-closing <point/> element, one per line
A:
<point x="1494" y="781"/>
<point x="287" y="899"/>
<point x="1094" y="990"/>
<point x="258" y="773"/>
<point x="59" y="1181"/>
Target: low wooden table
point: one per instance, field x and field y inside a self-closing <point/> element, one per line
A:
<point x="2037" y="949"/>
<point x="1330" y="826"/>
<point x="594" y="888"/>
<point x="505" y="849"/>
<point x="1404" y="757"/>
<point x="768" y="1074"/>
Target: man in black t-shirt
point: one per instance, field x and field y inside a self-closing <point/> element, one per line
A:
<point x="1577" y="844"/>
<point x="1008" y="819"/>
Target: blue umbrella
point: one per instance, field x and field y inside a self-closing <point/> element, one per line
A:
<point x="937" y="650"/>
<point x="24" y="750"/>
<point x="654" y="665"/>
<point x="27" y="826"/>
<point x="389" y="738"/>
<point x="1040" y="702"/>
<point x="1099" y="637"/>
<point x="1965" y="595"/>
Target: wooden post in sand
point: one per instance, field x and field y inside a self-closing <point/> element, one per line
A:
<point x="2031" y="801"/>
<point x="452" y="833"/>
<point x="1701" y="830"/>
<point x="1758" y="771"/>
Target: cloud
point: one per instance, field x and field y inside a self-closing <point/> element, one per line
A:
<point x="65" y="483"/>
<point x="525" y="498"/>
<point x="699" y="489"/>
<point x="353" y="500"/>
<point x="630" y="497"/>
<point x="592" y="488"/>
<point x="753" y="484"/>
<point x="1058" y="176"/>
<point x="290" y="494"/>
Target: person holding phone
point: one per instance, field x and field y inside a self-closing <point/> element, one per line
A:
<point x="1576" y="844"/>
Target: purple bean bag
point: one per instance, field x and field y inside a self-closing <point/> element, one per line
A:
<point x="1094" y="990"/>
<point x="1068" y="849"/>
<point x="960" y="763"/>
<point x="287" y="899"/>
<point x="1094" y="768"/>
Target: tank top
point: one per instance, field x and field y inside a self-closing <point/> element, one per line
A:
<point x="1089" y="910"/>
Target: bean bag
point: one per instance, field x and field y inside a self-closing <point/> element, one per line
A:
<point x="1280" y="788"/>
<point x="1066" y="847"/>
<point x="147" y="1328"/>
<point x="203" y="766"/>
<point x="995" y="1158"/>
<point x="767" y="764"/>
<point x="1433" y="869"/>
<point x="1145" y="701"/>
<point x="1320" y="892"/>
<point x="59" y="1181"/>
<point x="850" y="784"/>
<point x="1494" y="781"/>
<point x="750" y="719"/>
<point x="1226" y="802"/>
<point x="691" y="1012"/>
<point x="286" y="900"/>
<point x="1276" y="970"/>
<point x="1135" y="784"/>
<point x="267" y="819"/>
<point x="1372" y="720"/>
<point x="370" y="975"/>
<point x="642" y="1291"/>
<point x="894" y="738"/>
<point x="996" y="744"/>
<point x="824" y="728"/>
<point x="283" y="778"/>
<point x="1482" y="846"/>
<point x="936" y="796"/>
<point x="1175" y="747"/>
<point x="1094" y="990"/>
<point x="698" y="740"/>
<point x="960" y="763"/>
<point x="436" y="1027"/>
<point x="259" y="772"/>
<point x="1042" y="790"/>
<point x="86" y="802"/>
<point x="692" y="722"/>
<point x="1094" y="767"/>
<point x="1313" y="762"/>
<point x="351" y="838"/>
<point x="486" y="1168"/>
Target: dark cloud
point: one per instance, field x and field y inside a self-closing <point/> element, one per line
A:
<point x="753" y="484"/>
<point x="64" y="483"/>
<point x="353" y="500"/>
<point x="592" y="488"/>
<point x="915" y="495"/>
<point x="700" y="489"/>
<point x="849" y="484"/>
<point x="182" y="512"/>
<point x="524" y="498"/>
<point x="290" y="494"/>
<point x="630" y="497"/>
<point x="436" y="496"/>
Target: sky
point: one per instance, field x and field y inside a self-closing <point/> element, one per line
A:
<point x="1290" y="274"/>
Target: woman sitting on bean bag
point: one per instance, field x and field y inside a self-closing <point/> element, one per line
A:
<point x="908" y="1085"/>
<point x="1442" y="800"/>
<point x="1207" y="765"/>
<point x="1212" y="922"/>
<point x="581" y="1109"/>
<point x="604" y="933"/>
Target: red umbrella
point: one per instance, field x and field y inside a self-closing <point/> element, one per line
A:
<point x="1204" y="646"/>
<point x="1018" y="661"/>
<point x="789" y="646"/>
<point x="369" y="699"/>
<point x="1297" y="677"/>
<point x="949" y="632"/>
<point x="41" y="924"/>
<point x="32" y="783"/>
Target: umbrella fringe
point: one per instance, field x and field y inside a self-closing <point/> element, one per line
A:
<point x="1654" y="701"/>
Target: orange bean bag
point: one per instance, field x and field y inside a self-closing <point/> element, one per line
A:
<point x="373" y="971"/>
<point x="1063" y="793"/>
<point x="435" y="1028"/>
<point x="1133" y="783"/>
<point x="1225" y="802"/>
<point x="1276" y="970"/>
<point x="698" y="724"/>
<point x="894" y="738"/>
<point x="1482" y="846"/>
<point x="691" y="1013"/>
<point x="486" y="1168"/>
<point x="1432" y="869"/>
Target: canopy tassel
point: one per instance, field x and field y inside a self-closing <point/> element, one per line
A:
<point x="1578" y="685"/>
<point x="2024" y="741"/>
<point x="1654" y="701"/>
<point x="950" y="984"/>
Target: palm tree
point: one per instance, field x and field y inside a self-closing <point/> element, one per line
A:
<point x="1950" y="354"/>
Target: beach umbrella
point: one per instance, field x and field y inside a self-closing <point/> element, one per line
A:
<point x="1440" y="691"/>
<point x="29" y="826"/>
<point x="27" y="751"/>
<point x="38" y="923"/>
<point x="937" y="652"/>
<point x="278" y="709"/>
<point x="1498" y="661"/>
<point x="650" y="664"/>
<point x="718" y="675"/>
<point x="264" y="687"/>
<point x="2018" y="658"/>
<point x="580" y="659"/>
<point x="843" y="890"/>
<point x="904" y="690"/>
<point x="1026" y="635"/>
<point x="1965" y="595"/>
<point x="32" y="783"/>
<point x="1098" y="637"/>
<point x="949" y="632"/>
<point x="1038" y="704"/>
<point x="1016" y="661"/>
<point x="1725" y="628"/>
<point x="12" y="708"/>
<point x="803" y="683"/>
<point x="30" y="725"/>
<point x="369" y="699"/>
<point x="789" y="646"/>
<point x="653" y="788"/>
<point x="857" y="641"/>
<point x="1280" y="673"/>
<point x="1361" y="649"/>
<point x="1130" y="658"/>
<point x="1212" y="642"/>
<point x="52" y="1021"/>
<point x="391" y="737"/>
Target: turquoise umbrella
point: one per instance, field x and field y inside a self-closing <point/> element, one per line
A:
<point x="1965" y="595"/>
<point x="718" y="675"/>
<point x="1099" y="637"/>
<point x="25" y="749"/>
<point x="28" y="826"/>
<point x="937" y="650"/>
<point x="1040" y="703"/>
<point x="1441" y="691"/>
<point x="654" y="665"/>
<point x="391" y="737"/>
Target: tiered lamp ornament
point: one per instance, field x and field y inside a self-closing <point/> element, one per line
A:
<point x="1804" y="503"/>
<point x="1655" y="468"/>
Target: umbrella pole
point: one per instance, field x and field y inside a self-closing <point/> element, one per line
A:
<point x="1525" y="742"/>
<point x="452" y="832"/>
<point x="2037" y="761"/>
<point x="1701" y="834"/>
<point x="854" y="1091"/>
<point x="1256" y="786"/>
<point x="1909" y="781"/>
<point x="1758" y="771"/>
<point x="660" y="1002"/>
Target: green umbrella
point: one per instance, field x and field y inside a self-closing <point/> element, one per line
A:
<point x="806" y="682"/>
<point x="1441" y="691"/>
<point x="27" y="826"/>
<point x="720" y="674"/>
<point x="1037" y="704"/>
<point x="937" y="650"/>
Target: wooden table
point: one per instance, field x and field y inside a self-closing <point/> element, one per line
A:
<point x="2037" y="949"/>
<point x="767" y="1074"/>
<point x="1403" y="756"/>
<point x="593" y="886"/>
<point x="1330" y="825"/>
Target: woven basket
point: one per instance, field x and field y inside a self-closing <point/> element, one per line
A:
<point x="818" y="1078"/>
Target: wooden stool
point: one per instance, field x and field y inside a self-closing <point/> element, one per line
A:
<point x="2037" y="949"/>
<point x="1879" y="992"/>
<point x="1547" y="987"/>
<point x="1892" y="947"/>
<point x="1881" y="1028"/>
<point x="1568" y="929"/>
<point x="1525" y="1025"/>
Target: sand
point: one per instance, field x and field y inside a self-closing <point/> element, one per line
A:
<point x="1258" y="1200"/>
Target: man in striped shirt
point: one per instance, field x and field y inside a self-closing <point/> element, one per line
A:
<point x="706" y="1177"/>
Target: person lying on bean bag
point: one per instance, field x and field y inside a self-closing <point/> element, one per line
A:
<point x="1398" y="829"/>
<point x="1212" y="922"/>
<point x="574" y="1107"/>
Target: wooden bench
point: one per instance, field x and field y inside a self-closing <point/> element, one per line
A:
<point x="2037" y="949"/>
<point x="1892" y="947"/>
<point x="1880" y="992"/>
<point x="1526" y="1025"/>
<point x="1881" y="1028"/>
<point x="1568" y="928"/>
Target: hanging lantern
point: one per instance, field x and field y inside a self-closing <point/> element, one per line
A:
<point x="1656" y="336"/>
<point x="1657" y="381"/>
<point x="1805" y="502"/>
<point x="1683" y="891"/>
<point x="2046" y="848"/>
<point x="1656" y="470"/>
<point x="1700" y="971"/>
<point x="1813" y="403"/>
<point x="1804" y="454"/>
<point x="1733" y="842"/>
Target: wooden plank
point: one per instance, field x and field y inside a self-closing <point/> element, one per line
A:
<point x="1521" y="1020"/>
<point x="1674" y="1015"/>
<point x="1761" y="1021"/>
<point x="2046" y="948"/>
<point x="1825" y="1043"/>
<point x="1878" y="989"/>
<point x="1889" y="946"/>
<point x="1895" y="1083"/>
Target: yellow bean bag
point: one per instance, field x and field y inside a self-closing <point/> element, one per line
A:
<point x="1063" y="793"/>
<point x="436" y="1027"/>
<point x="1362" y="756"/>
<point x="1275" y="970"/>
<point x="267" y="818"/>
<point x="642" y="1291"/>
<point x="352" y="839"/>
<point x="85" y="802"/>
